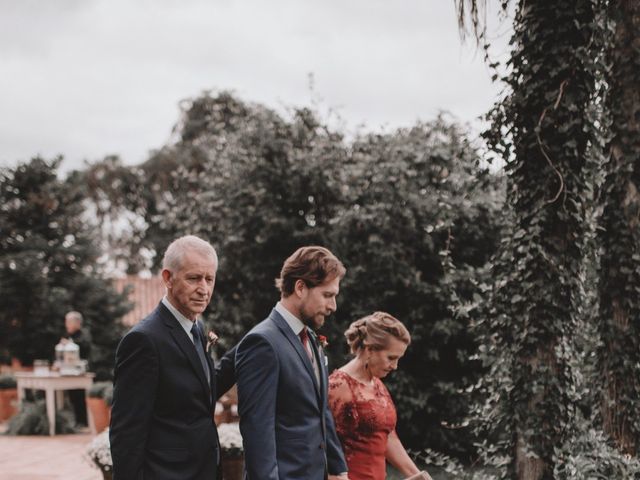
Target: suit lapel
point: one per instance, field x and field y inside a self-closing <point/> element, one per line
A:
<point x="210" y="363"/>
<point x="295" y="342"/>
<point x="186" y="345"/>
<point x="324" y="377"/>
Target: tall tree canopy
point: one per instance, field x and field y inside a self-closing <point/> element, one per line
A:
<point x="48" y="266"/>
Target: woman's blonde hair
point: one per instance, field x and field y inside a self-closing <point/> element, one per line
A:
<point x="374" y="331"/>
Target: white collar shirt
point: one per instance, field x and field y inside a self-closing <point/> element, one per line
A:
<point x="294" y="322"/>
<point x="184" y="322"/>
<point x="296" y="325"/>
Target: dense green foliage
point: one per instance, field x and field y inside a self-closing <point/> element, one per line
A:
<point x="620" y="234"/>
<point x="259" y="186"/>
<point x="48" y="266"/>
<point x="32" y="420"/>
<point x="545" y="316"/>
<point x="412" y="196"/>
<point x="537" y="300"/>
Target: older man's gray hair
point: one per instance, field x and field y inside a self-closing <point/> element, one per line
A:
<point x="175" y="252"/>
<point x="75" y="316"/>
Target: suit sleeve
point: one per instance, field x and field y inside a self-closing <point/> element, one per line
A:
<point x="135" y="384"/>
<point x="257" y="374"/>
<point x="226" y="373"/>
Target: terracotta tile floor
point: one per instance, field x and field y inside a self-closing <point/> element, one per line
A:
<point x="46" y="458"/>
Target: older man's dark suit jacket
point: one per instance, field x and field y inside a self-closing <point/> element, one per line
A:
<point x="162" y="416"/>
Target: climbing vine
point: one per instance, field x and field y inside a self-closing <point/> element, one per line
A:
<point x="620" y="234"/>
<point x="542" y="131"/>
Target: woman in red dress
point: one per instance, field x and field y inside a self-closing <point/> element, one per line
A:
<point x="364" y="413"/>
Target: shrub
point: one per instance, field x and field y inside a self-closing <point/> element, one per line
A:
<point x="32" y="420"/>
<point x="102" y="390"/>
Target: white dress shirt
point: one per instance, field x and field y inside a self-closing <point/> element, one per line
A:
<point x="184" y="322"/>
<point x="296" y="325"/>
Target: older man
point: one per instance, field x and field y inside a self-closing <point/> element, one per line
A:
<point x="165" y="382"/>
<point x="81" y="337"/>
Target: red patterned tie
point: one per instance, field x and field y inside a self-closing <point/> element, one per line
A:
<point x="304" y="337"/>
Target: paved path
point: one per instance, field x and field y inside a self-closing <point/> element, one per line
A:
<point x="46" y="458"/>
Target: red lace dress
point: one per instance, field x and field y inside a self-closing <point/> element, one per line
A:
<point x="364" y="417"/>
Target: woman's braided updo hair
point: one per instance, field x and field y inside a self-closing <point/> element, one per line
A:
<point x="374" y="331"/>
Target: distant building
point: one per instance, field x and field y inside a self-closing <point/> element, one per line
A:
<point x="145" y="295"/>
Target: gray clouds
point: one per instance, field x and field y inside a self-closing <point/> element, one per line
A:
<point x="87" y="78"/>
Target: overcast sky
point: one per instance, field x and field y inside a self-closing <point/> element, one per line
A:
<point x="89" y="78"/>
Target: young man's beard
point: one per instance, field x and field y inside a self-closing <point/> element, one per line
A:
<point x="311" y="322"/>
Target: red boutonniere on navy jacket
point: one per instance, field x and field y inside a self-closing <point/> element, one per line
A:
<point x="322" y="340"/>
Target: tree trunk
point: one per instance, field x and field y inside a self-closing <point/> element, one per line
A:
<point x="552" y="84"/>
<point x="620" y="264"/>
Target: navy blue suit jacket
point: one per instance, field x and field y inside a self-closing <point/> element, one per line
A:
<point x="287" y="428"/>
<point x="162" y="416"/>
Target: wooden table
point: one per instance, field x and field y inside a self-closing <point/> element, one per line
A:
<point x="54" y="385"/>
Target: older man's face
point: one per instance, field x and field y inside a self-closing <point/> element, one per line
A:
<point x="191" y="287"/>
<point x="71" y="324"/>
<point x="318" y="302"/>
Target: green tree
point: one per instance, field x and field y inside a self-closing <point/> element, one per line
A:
<point x="258" y="186"/>
<point x="48" y="266"/>
<point x="543" y="131"/>
<point x="413" y="194"/>
<point x="266" y="187"/>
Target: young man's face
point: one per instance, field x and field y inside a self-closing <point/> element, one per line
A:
<point x="191" y="287"/>
<point x="318" y="302"/>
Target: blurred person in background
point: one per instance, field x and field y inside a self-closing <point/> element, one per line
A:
<point x="80" y="336"/>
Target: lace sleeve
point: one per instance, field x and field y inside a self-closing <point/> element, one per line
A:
<point x="341" y="402"/>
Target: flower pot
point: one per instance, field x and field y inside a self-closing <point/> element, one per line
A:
<point x="107" y="474"/>
<point x="8" y="403"/>
<point x="232" y="468"/>
<point x="100" y="412"/>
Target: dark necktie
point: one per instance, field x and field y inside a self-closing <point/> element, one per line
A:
<point x="195" y="331"/>
<point x="304" y="338"/>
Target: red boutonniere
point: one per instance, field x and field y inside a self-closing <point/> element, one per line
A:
<point x="212" y="339"/>
<point x="322" y="340"/>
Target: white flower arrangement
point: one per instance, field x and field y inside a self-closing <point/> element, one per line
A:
<point x="230" y="439"/>
<point x="99" y="451"/>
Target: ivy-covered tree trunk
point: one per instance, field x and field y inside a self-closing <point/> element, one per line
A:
<point x="620" y="261"/>
<point x="543" y="134"/>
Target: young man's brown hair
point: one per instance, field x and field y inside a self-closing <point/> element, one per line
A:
<point x="313" y="265"/>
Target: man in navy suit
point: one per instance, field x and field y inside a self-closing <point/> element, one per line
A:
<point x="165" y="383"/>
<point x="287" y="429"/>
